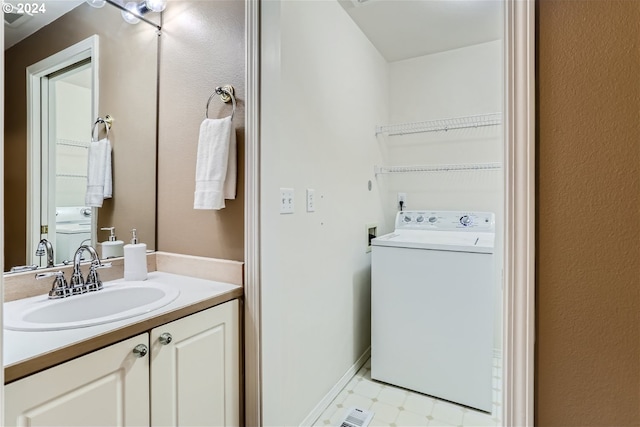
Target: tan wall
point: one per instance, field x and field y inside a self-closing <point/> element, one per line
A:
<point x="128" y="57"/>
<point x="588" y="250"/>
<point x="202" y="47"/>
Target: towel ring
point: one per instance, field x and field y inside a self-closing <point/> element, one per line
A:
<point x="226" y="94"/>
<point x="107" y="122"/>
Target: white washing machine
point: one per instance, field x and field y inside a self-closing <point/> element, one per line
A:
<point x="73" y="228"/>
<point x="432" y="305"/>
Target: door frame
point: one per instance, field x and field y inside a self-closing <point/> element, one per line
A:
<point x="519" y="235"/>
<point x="36" y="132"/>
<point x="519" y="258"/>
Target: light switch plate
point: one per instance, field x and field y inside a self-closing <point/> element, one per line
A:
<point x="286" y="201"/>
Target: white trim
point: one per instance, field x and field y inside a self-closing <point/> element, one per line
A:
<point x="252" y="298"/>
<point x="519" y="262"/>
<point x="336" y="389"/>
<point x="87" y="48"/>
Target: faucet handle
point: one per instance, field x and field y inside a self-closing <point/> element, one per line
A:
<point x="59" y="276"/>
<point x="93" y="282"/>
<point x="60" y="288"/>
<point x="104" y="265"/>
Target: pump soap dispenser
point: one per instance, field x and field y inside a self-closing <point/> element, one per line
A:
<point x="112" y="248"/>
<point x="135" y="259"/>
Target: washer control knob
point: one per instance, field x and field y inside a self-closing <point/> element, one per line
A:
<point x="420" y="219"/>
<point x="465" y="220"/>
<point x="432" y="219"/>
<point x="407" y="218"/>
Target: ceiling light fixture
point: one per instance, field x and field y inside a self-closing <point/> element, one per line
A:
<point x="134" y="11"/>
<point x="137" y="9"/>
<point x="96" y="3"/>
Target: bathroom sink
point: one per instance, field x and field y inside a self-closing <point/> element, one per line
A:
<point x="115" y="302"/>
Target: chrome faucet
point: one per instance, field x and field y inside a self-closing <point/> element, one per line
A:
<point x="46" y="245"/>
<point x="60" y="288"/>
<point x="93" y="283"/>
<point x="77" y="284"/>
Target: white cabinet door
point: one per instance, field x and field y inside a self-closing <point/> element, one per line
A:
<point x="109" y="387"/>
<point x="195" y="377"/>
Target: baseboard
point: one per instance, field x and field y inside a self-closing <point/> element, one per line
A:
<point x="335" y="390"/>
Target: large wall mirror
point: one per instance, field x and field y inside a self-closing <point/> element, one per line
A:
<point x="65" y="68"/>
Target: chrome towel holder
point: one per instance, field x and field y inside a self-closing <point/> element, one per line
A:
<point x="226" y="94"/>
<point x="107" y="122"/>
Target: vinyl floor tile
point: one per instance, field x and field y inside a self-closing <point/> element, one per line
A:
<point x="397" y="407"/>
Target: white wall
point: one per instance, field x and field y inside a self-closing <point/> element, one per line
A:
<point x="324" y="88"/>
<point x="454" y="83"/>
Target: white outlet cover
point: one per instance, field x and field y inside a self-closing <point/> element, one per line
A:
<point x="311" y="200"/>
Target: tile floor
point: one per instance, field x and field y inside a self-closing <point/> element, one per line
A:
<point x="397" y="407"/>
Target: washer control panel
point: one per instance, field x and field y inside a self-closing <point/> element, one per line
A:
<point x="445" y="220"/>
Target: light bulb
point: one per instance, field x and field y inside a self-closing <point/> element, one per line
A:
<point x="156" y="5"/>
<point x="129" y="17"/>
<point x="96" y="3"/>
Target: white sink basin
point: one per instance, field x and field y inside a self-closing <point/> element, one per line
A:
<point x="115" y="302"/>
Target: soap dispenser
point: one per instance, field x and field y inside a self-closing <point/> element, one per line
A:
<point x="112" y="248"/>
<point x="135" y="259"/>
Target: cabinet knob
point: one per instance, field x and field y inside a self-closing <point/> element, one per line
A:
<point x="140" y="350"/>
<point x="165" y="338"/>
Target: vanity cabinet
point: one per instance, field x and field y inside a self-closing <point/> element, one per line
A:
<point x="195" y="369"/>
<point x="109" y="387"/>
<point x="190" y="376"/>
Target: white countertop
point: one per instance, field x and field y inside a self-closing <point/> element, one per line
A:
<point x="20" y="346"/>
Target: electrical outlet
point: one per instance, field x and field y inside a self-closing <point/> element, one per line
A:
<point x="372" y="233"/>
<point x="311" y="200"/>
<point x="402" y="200"/>
<point x="286" y="201"/>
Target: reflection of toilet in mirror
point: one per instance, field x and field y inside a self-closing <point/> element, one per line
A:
<point x="73" y="228"/>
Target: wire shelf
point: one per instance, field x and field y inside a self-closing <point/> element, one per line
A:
<point x="72" y="143"/>
<point x="70" y="175"/>
<point x="438" y="168"/>
<point x="439" y="125"/>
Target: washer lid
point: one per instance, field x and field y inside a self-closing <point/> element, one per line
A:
<point x="73" y="214"/>
<point x="479" y="242"/>
<point x="73" y="228"/>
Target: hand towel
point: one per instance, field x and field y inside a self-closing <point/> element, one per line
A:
<point x="215" y="164"/>
<point x="99" y="179"/>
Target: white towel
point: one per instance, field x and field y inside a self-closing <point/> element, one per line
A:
<point x="216" y="167"/>
<point x="99" y="179"/>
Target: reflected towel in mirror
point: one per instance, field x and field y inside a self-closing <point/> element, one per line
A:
<point x="215" y="164"/>
<point x="99" y="179"/>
